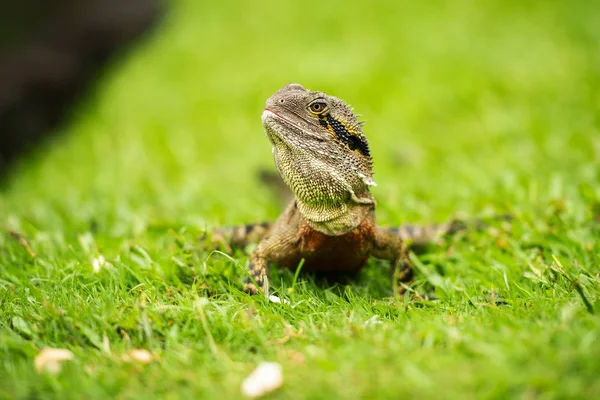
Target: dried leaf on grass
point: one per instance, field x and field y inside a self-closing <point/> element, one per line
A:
<point x="267" y="377"/>
<point x="50" y="359"/>
<point x="139" y="355"/>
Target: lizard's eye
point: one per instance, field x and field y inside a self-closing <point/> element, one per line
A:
<point x="318" y="107"/>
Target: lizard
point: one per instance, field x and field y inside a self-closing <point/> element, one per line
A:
<point x="323" y="156"/>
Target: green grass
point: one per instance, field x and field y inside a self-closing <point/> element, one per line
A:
<point x="472" y="108"/>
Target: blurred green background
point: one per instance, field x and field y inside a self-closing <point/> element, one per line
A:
<point x="462" y="101"/>
<point x="471" y="108"/>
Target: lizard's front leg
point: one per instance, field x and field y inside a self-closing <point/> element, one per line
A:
<point x="389" y="246"/>
<point x="258" y="270"/>
<point x="228" y="238"/>
<point x="280" y="245"/>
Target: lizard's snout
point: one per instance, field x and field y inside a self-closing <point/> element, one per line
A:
<point x="267" y="114"/>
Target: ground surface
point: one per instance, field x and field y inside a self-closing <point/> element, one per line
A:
<point x="472" y="109"/>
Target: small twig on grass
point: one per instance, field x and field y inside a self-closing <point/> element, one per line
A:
<point x="21" y="239"/>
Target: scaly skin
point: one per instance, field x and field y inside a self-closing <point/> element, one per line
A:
<point x="323" y="156"/>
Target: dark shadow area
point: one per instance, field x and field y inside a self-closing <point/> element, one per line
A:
<point x="50" y="54"/>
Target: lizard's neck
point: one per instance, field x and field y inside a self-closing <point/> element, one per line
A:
<point x="336" y="219"/>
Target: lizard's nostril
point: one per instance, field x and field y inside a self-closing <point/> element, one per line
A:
<point x="282" y="101"/>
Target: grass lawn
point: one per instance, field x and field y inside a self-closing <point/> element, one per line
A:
<point x="472" y="108"/>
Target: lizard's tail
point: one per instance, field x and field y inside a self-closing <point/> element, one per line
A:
<point x="230" y="237"/>
<point x="239" y="236"/>
<point x="422" y="235"/>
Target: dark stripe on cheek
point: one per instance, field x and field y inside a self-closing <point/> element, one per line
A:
<point x="352" y="141"/>
<point x="323" y="122"/>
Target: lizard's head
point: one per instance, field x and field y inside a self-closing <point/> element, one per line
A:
<point x="317" y="138"/>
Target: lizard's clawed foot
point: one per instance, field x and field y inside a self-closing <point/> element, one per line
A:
<point x="404" y="275"/>
<point x="251" y="288"/>
<point x="255" y="284"/>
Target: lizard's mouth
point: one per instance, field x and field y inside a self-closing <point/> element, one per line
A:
<point x="272" y="114"/>
<point x="282" y="121"/>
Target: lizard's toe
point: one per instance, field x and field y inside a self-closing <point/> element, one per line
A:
<point x="251" y="288"/>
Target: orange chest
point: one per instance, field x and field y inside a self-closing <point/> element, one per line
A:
<point x="348" y="252"/>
